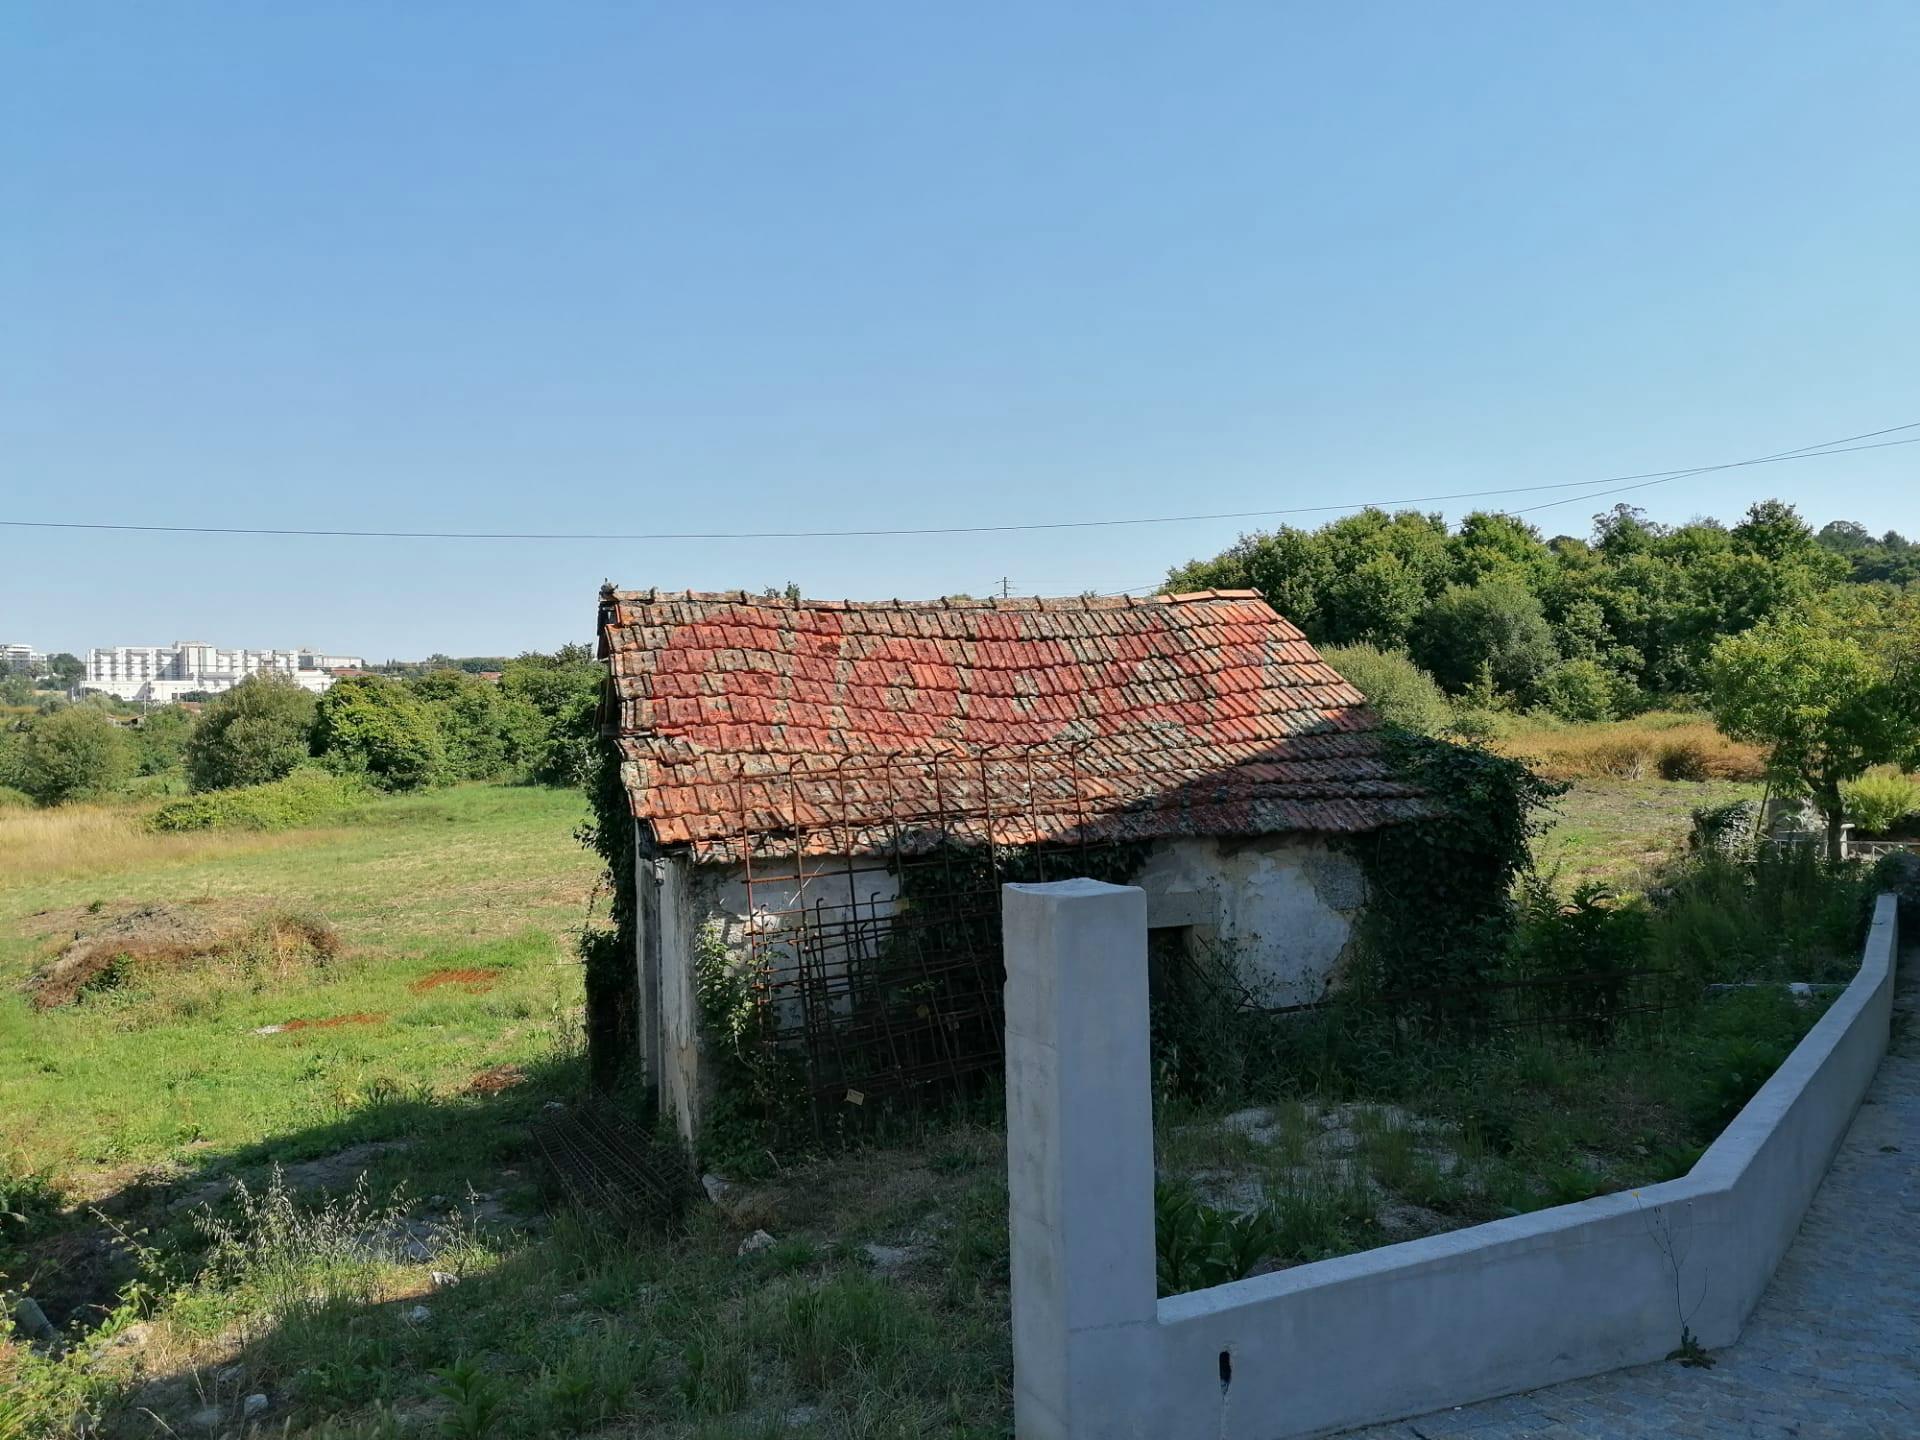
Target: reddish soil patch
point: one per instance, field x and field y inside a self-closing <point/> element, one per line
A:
<point x="109" y="948"/>
<point x="494" y="1079"/>
<point x="474" y="981"/>
<point x="332" y="1020"/>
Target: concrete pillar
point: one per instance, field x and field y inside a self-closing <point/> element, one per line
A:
<point x="1080" y="1160"/>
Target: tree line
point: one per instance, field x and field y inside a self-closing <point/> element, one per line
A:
<point x="1807" y="643"/>
<point x="406" y="733"/>
<point x="1588" y="629"/>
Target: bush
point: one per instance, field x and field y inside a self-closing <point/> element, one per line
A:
<point x="1580" y="690"/>
<point x="253" y="734"/>
<point x="12" y="799"/>
<point x="1879" y="801"/>
<point x="371" y="726"/>
<point x="1399" y="691"/>
<point x="73" y="753"/>
<point x="1684" y="759"/>
<point x="305" y="797"/>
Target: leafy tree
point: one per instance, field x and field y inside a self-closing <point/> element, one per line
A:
<point x="1399" y="691"/>
<point x="1497" y="626"/>
<point x="563" y="690"/>
<point x="160" y="738"/>
<point x="73" y="753"/>
<point x="372" y="726"/>
<point x="16" y="690"/>
<point x="249" y="735"/>
<point x="1830" y="697"/>
<point x="1581" y="690"/>
<point x="485" y="731"/>
<point x="66" y="670"/>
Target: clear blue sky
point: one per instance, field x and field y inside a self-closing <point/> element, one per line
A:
<point x="728" y="266"/>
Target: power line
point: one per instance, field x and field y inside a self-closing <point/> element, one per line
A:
<point x="1646" y="479"/>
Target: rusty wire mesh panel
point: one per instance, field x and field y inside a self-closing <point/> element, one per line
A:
<point x="873" y="935"/>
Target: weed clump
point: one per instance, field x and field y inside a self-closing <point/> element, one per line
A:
<point x="305" y="797"/>
<point x="157" y="938"/>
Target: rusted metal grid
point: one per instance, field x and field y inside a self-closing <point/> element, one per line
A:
<point x="872" y="940"/>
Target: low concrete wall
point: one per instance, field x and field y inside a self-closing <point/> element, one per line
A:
<point x="1445" y="1320"/>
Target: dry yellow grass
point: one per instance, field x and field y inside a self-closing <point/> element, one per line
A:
<point x="74" y="840"/>
<point x="1651" y="747"/>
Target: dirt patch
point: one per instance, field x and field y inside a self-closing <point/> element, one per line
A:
<point x="494" y="1079"/>
<point x="333" y="1021"/>
<point x="75" y="1276"/>
<point x="474" y="981"/>
<point x="108" y="949"/>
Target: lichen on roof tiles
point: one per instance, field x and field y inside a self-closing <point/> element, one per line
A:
<point x="748" y="722"/>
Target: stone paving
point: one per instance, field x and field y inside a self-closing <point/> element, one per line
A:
<point x="1832" y="1352"/>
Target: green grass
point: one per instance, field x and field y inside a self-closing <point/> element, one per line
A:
<point x="482" y="877"/>
<point x="1612" y="831"/>
<point x="137" y="1097"/>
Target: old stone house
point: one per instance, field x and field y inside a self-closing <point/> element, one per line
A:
<point x="798" y="769"/>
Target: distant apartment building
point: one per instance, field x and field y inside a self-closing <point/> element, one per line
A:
<point x="158" y="674"/>
<point x="21" y="660"/>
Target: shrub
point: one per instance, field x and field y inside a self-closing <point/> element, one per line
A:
<point x="305" y="797"/>
<point x="73" y="753"/>
<point x="369" y="725"/>
<point x="12" y="799"/>
<point x="250" y="735"/>
<point x="1580" y="690"/>
<point x="1399" y="691"/>
<point x="1684" y="759"/>
<point x="1879" y="801"/>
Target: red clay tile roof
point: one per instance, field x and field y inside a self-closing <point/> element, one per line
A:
<point x="758" y="723"/>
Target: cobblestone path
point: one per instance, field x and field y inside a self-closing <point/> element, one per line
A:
<point x="1833" y="1350"/>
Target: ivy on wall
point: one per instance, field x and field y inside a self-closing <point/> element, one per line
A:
<point x="1441" y="906"/>
<point x="607" y="954"/>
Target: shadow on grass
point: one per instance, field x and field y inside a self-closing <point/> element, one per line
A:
<point x="514" y="1315"/>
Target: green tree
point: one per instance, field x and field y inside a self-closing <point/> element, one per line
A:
<point x="1498" y="627"/>
<point x="1829" y="696"/>
<point x="561" y="693"/>
<point x="73" y="753"/>
<point x="485" y="731"/>
<point x="372" y="726"/>
<point x="66" y="670"/>
<point x="160" y="738"/>
<point x="255" y="732"/>
<point x="1399" y="691"/>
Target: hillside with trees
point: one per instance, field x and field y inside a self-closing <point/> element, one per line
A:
<point x="1588" y="629"/>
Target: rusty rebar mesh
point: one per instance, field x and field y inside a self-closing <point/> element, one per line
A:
<point x="606" y="1164"/>
<point x="873" y="940"/>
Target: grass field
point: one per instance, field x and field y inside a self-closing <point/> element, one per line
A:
<point x="443" y="1296"/>
<point x="480" y="878"/>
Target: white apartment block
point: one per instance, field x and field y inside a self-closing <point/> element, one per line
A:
<point x="20" y="660"/>
<point x="158" y="674"/>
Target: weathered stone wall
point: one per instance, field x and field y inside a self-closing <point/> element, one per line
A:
<point x="1284" y="907"/>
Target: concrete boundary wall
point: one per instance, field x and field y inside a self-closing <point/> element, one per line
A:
<point x="1444" y="1320"/>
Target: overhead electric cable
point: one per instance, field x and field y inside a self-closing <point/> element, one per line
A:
<point x="1646" y="480"/>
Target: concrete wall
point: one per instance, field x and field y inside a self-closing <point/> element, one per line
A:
<point x="1285" y="905"/>
<point x="1408" y="1328"/>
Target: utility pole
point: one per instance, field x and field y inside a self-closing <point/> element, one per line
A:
<point x="1006" y="589"/>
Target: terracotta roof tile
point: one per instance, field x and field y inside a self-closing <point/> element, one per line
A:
<point x="751" y="723"/>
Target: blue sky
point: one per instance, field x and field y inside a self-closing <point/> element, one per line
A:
<point x="695" y="267"/>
